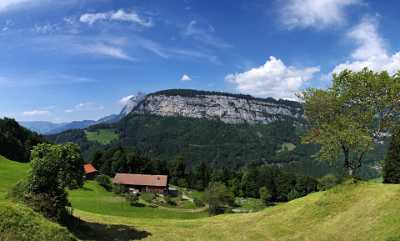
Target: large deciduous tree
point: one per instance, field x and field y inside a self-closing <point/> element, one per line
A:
<point x="54" y="168"/>
<point x="347" y="118"/>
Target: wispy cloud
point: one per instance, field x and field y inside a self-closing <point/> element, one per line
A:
<point x="205" y="36"/>
<point x="85" y="106"/>
<point x="315" y="13"/>
<point x="36" y="113"/>
<point x="108" y="51"/>
<point x="119" y="15"/>
<point x="12" y="4"/>
<point x="273" y="79"/>
<point x="42" y="79"/>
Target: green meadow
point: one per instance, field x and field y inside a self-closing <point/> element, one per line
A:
<point x="102" y="136"/>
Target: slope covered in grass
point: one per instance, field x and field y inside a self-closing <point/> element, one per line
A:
<point x="102" y="136"/>
<point x="94" y="198"/>
<point x="10" y="173"/>
<point x="362" y="211"/>
<point x="20" y="223"/>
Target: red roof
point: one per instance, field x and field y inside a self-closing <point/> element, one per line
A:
<point x="141" y="179"/>
<point x="89" y="168"/>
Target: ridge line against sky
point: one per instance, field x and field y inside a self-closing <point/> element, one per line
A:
<point x="84" y="58"/>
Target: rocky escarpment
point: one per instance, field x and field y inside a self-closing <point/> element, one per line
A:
<point x="229" y="108"/>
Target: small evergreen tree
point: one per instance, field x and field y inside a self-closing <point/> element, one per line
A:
<point x="265" y="195"/>
<point x="391" y="167"/>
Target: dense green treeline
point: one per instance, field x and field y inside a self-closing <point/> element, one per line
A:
<point x="16" y="142"/>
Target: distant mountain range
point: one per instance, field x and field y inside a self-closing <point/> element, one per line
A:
<point x="49" y="128"/>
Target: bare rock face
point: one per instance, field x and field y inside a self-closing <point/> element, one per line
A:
<point x="229" y="108"/>
<point x="132" y="103"/>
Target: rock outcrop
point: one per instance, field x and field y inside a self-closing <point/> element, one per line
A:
<point x="229" y="108"/>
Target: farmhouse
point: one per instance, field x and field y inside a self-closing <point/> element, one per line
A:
<point x="142" y="182"/>
<point x="90" y="171"/>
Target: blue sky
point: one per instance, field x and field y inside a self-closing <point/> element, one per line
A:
<point x="77" y="59"/>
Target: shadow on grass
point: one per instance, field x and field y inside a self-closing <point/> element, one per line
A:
<point x="102" y="232"/>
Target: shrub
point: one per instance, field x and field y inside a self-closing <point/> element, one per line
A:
<point x="104" y="181"/>
<point x="133" y="199"/>
<point x="198" y="202"/>
<point x="293" y="194"/>
<point x="118" y="189"/>
<point x="265" y="195"/>
<point x="169" y="201"/>
<point x="326" y="182"/>
<point x="18" y="192"/>
<point x="148" y="196"/>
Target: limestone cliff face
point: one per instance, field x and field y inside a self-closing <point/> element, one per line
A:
<point x="229" y="108"/>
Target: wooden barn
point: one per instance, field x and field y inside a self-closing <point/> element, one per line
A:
<point x="142" y="182"/>
<point x="90" y="171"/>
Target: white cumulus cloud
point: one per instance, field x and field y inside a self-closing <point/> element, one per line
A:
<point x="119" y="15"/>
<point x="273" y="79"/>
<point x="185" y="78"/>
<point x="370" y="51"/>
<point x="315" y="13"/>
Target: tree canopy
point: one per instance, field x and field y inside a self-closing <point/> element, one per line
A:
<point x="347" y="118"/>
<point x="54" y="168"/>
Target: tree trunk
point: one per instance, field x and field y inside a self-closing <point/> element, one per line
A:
<point x="347" y="163"/>
<point x="350" y="171"/>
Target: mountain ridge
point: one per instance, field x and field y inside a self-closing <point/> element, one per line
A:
<point x="227" y="107"/>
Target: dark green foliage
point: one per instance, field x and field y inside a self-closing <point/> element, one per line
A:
<point x="54" y="168"/>
<point x="326" y="182"/>
<point x="199" y="140"/>
<point x="170" y="201"/>
<point x="391" y="167"/>
<point x="17" y="142"/>
<point x="104" y="181"/>
<point x="148" y="197"/>
<point x="133" y="199"/>
<point x="265" y="195"/>
<point x="218" y="197"/>
<point x="118" y="189"/>
<point x="305" y="185"/>
<point x="198" y="202"/>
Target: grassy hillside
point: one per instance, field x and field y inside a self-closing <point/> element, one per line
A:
<point x="94" y="198"/>
<point x="363" y="211"/>
<point x="102" y="136"/>
<point x="10" y="173"/>
<point x="20" y="223"/>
